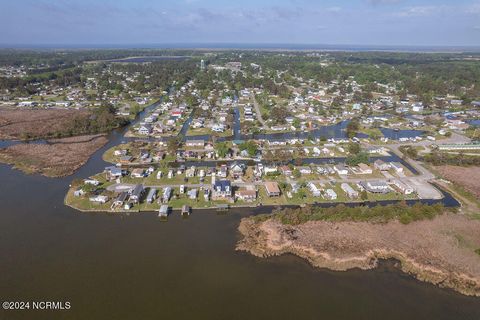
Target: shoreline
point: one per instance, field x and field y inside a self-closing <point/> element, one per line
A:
<point x="337" y="252"/>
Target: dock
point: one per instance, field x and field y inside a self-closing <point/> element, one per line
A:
<point x="163" y="212"/>
<point x="186" y="210"/>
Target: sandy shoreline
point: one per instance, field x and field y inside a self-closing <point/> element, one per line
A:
<point x="440" y="251"/>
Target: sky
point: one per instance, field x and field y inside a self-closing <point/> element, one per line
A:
<point x="341" y="22"/>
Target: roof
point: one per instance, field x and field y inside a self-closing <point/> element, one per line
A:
<point x="247" y="193"/>
<point x="223" y="184"/>
<point x="272" y="187"/>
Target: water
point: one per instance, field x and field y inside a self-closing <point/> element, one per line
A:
<point x="136" y="267"/>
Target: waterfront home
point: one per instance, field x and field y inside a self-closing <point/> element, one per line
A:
<point x="330" y="194"/>
<point x="222" y="190"/>
<point x="349" y="191"/>
<point x="247" y="195"/>
<point x="145" y="129"/>
<point x="381" y="165"/>
<point x="120" y="199"/>
<point x="218" y="128"/>
<point x="78" y="193"/>
<point x="136" y="193"/>
<point x="375" y="186"/>
<point x="152" y="195"/>
<point x="195" y="143"/>
<point x="92" y="182"/>
<point x="126" y="159"/>
<point x="167" y="193"/>
<point x="340" y="169"/>
<point x="272" y="189"/>
<point x="396" y="166"/>
<point x="403" y="187"/>
<point x="113" y="172"/>
<point x="99" y="199"/>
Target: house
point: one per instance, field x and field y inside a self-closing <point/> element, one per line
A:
<point x="126" y="159"/>
<point x="167" y="193"/>
<point x="314" y="189"/>
<point x="195" y="143"/>
<point x="120" y="199"/>
<point x="285" y="170"/>
<point x="99" y="199"/>
<point x="92" y="182"/>
<point x="136" y="193"/>
<point x="237" y="170"/>
<point x="247" y="195"/>
<point x="145" y="129"/>
<point x="340" y="169"/>
<point x="192" y="194"/>
<point x="272" y="189"/>
<point x="305" y="170"/>
<point x="403" y="187"/>
<point x="113" y="172"/>
<point x="364" y="169"/>
<point x="222" y="190"/>
<point x="330" y="194"/>
<point x="223" y="171"/>
<point x="190" y="172"/>
<point x="152" y="195"/>
<point x="138" y="173"/>
<point x="381" y="165"/>
<point x="396" y="166"/>
<point x="218" y="128"/>
<point x="375" y="186"/>
<point x="349" y="191"/>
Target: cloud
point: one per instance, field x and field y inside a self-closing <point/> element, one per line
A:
<point x="380" y="2"/>
<point x="420" y="11"/>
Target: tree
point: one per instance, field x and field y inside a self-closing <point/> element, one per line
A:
<point x="222" y="149"/>
<point x="173" y="144"/>
<point x="250" y="146"/>
<point x="354" y="148"/>
<point x="361" y="157"/>
<point x="352" y="128"/>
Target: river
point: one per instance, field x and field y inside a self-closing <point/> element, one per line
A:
<point x="111" y="266"/>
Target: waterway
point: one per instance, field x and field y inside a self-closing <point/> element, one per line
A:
<point x="111" y="266"/>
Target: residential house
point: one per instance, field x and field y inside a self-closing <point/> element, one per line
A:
<point x="375" y="186"/>
<point x="381" y="165"/>
<point x="222" y="190"/>
<point x="272" y="189"/>
<point x="403" y="187"/>
<point x="397" y="167"/>
<point x="152" y="195"/>
<point x="330" y="194"/>
<point x="340" y="169"/>
<point x="349" y="191"/>
<point x="364" y="169"/>
<point x="195" y="143"/>
<point x="247" y="195"/>
<point x="136" y="193"/>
